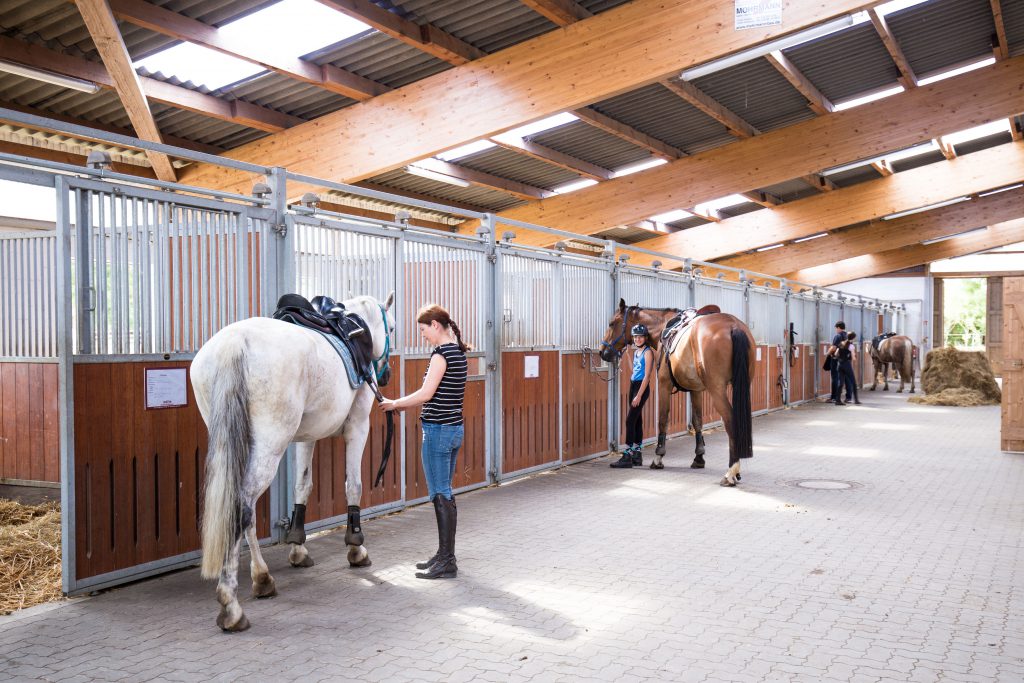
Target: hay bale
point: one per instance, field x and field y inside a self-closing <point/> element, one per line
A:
<point x="949" y="368"/>
<point x="958" y="396"/>
<point x="29" y="555"/>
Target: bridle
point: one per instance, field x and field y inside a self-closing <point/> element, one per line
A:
<point x="625" y="326"/>
<point x="386" y="355"/>
<point x="389" y="416"/>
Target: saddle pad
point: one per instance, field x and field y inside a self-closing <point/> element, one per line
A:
<point x="355" y="376"/>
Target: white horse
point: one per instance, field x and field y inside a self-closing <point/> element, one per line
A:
<point x="261" y="384"/>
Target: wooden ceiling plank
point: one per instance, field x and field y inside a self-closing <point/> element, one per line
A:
<point x="552" y="73"/>
<point x="110" y="44"/>
<point x="168" y="23"/>
<point x="426" y="37"/>
<point x="552" y="156"/>
<point x="629" y="134"/>
<point x="879" y="235"/>
<point x="252" y="115"/>
<point x="997" y="235"/>
<point x="872" y="129"/>
<point x="560" y="12"/>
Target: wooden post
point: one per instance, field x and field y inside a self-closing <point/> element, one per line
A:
<point x="1013" y="364"/>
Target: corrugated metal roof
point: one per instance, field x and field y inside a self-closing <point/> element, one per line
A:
<point x="846" y="64"/>
<point x="598" y="6"/>
<point x="854" y="176"/>
<point x="1013" y="21"/>
<point x="288" y="95"/>
<point x="65" y="143"/>
<point x="917" y="161"/>
<point x="790" y="190"/>
<point x="688" y="222"/>
<point x="585" y="142"/>
<point x="663" y="115"/>
<point x="506" y="164"/>
<point x="982" y="143"/>
<point x="381" y="58"/>
<point x="193" y="126"/>
<point x="492" y="200"/>
<point x="938" y="34"/>
<point x="757" y="93"/>
<point x="739" y="210"/>
<point x="489" y="25"/>
<point x="627" y="234"/>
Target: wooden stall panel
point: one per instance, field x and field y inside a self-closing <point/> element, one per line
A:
<point x="825" y="381"/>
<point x="796" y="374"/>
<point x="529" y="408"/>
<point x="584" y="409"/>
<point x="759" y="381"/>
<point x="138" y="473"/>
<point x="650" y="408"/>
<point x="776" y="365"/>
<point x="29" y="422"/>
<point x="327" y="498"/>
<point x="471" y="466"/>
<point x="677" y="417"/>
<point x="810" y="371"/>
<point x="711" y="415"/>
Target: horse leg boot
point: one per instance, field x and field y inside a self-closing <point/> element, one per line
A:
<point x="659" y="453"/>
<point x="437" y="516"/>
<point x="444" y="566"/>
<point x="698" y="456"/>
<point x="357" y="555"/>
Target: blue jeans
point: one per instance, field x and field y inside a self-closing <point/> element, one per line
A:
<point x="440" y="450"/>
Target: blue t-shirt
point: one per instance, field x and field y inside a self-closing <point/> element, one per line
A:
<point x="639" y="364"/>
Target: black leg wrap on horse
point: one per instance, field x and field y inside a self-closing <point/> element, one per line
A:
<point x="297" y="526"/>
<point x="354" y="532"/>
<point x="660" y="448"/>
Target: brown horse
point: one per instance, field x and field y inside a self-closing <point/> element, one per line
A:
<point x="714" y="351"/>
<point x="901" y="353"/>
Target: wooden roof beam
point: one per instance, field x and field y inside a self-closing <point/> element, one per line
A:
<point x="552" y="156"/>
<point x="554" y="72"/>
<point x="107" y="36"/>
<point x="426" y="37"/>
<point x="765" y="199"/>
<point x="696" y="97"/>
<point x="882" y="167"/>
<point x="997" y="235"/>
<point x="254" y="116"/>
<point x="1001" y="50"/>
<point x="168" y="23"/>
<point x="338" y="207"/>
<point x="970" y="174"/>
<point x="873" y="129"/>
<point x="560" y="12"/>
<point x="879" y="235"/>
<point x="818" y="103"/>
<point x="629" y="134"/>
<point x="420" y="196"/>
<point x="71" y="158"/>
<point x="907" y="78"/>
<point x="482" y="179"/>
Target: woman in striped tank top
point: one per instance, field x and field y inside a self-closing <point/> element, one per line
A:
<point x="444" y="386"/>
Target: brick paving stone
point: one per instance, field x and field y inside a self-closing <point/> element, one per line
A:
<point x="592" y="574"/>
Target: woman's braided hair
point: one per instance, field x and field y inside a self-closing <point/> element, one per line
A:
<point x="432" y="312"/>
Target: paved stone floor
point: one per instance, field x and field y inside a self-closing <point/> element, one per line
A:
<point x="913" y="574"/>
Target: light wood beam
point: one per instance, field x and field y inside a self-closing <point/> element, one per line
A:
<point x="970" y="174"/>
<point x="168" y="23"/>
<point x="883" y="167"/>
<point x="1002" y="48"/>
<point x="1015" y="131"/>
<point x="552" y="156"/>
<point x="560" y="12"/>
<point x="818" y="103"/>
<point x="71" y="158"/>
<point x="880" y="235"/>
<point x="379" y="215"/>
<point x="555" y="72"/>
<point x="873" y="129"/>
<point x="110" y="44"/>
<point x="907" y="78"/>
<point x="629" y="134"/>
<point x="422" y="197"/>
<point x="696" y="97"/>
<point x="483" y="179"/>
<point x="997" y="235"/>
<point x="426" y="37"/>
<point x="765" y="199"/>
<point x="244" y="113"/>
<point x="946" y="149"/>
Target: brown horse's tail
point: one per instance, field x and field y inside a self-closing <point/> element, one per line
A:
<point x="742" y="422"/>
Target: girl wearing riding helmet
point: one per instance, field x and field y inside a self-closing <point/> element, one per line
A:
<point x="639" y="391"/>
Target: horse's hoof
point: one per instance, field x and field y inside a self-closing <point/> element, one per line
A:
<point x="307" y="561"/>
<point x="726" y="482"/>
<point x="264" y="589"/>
<point x="697" y="465"/>
<point x="365" y="562"/>
<point x="657" y="466"/>
<point x="242" y="624"/>
<point x="739" y="477"/>
<point x="899" y="391"/>
<point x="358" y="557"/>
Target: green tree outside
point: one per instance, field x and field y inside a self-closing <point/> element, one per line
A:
<point x="963" y="313"/>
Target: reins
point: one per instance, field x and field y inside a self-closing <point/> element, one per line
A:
<point x="389" y="416"/>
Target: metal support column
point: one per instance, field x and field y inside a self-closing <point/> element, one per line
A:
<point x="492" y="354"/>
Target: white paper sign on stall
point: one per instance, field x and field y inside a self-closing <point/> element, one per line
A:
<point x="532" y="366"/>
<point x="165" y="388"/>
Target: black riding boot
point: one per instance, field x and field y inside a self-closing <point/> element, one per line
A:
<point x="437" y="515"/>
<point x="444" y="566"/>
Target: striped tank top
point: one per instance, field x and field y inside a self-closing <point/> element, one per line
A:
<point x="445" y="406"/>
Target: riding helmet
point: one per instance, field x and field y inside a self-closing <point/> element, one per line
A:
<point x="639" y="329"/>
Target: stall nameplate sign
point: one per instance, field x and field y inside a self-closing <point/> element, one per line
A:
<point x="531" y="366"/>
<point x="796" y="352"/>
<point x="757" y="13"/>
<point x="165" y="388"/>
<point x="758" y="354"/>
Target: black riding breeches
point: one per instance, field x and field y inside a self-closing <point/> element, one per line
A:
<point x="849" y="379"/>
<point x="635" y="416"/>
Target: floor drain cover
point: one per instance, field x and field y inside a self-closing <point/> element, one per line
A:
<point x="824" y="484"/>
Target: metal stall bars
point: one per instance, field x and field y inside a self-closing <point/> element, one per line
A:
<point x="803" y="314"/>
<point x="767" y="316"/>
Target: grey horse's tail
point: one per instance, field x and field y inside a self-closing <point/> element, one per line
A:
<point x="224" y="515"/>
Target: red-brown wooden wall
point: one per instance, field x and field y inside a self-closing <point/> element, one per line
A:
<point x="529" y="409"/>
<point x="30" y="422"/>
<point x="584" y="409"/>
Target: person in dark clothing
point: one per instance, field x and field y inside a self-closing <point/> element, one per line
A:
<point x="844" y="356"/>
<point x="839" y="336"/>
<point x="639" y="392"/>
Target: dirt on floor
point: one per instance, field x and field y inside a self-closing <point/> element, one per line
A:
<point x="30" y="570"/>
<point x="958" y="378"/>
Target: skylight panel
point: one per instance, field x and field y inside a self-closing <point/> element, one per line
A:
<point x="671" y="216"/>
<point x="573" y="186"/>
<point x="466" y="150"/>
<point x="636" y="168"/>
<point x="896" y="6"/>
<point x="279" y="33"/>
<point x="864" y="99"/>
<point x="722" y="203"/>
<point x="957" y="71"/>
<point x="540" y="126"/>
<point x="982" y="131"/>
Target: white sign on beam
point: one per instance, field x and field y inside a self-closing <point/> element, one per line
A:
<point x="757" y="13"/>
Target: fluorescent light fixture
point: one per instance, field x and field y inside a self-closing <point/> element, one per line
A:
<point x="721" y="203"/>
<point x="957" y="234"/>
<point x="1001" y="189"/>
<point x="811" y="237"/>
<point x="636" y="168"/>
<point x="778" y="44"/>
<point x="540" y="126"/>
<point x="982" y="131"/>
<point x="870" y="97"/>
<point x="770" y="247"/>
<point x="957" y="71"/>
<point x="49" y="77"/>
<point x="573" y="186"/>
<point x="466" y="150"/>
<point x="434" y="175"/>
<point x="937" y="205"/>
<point x="671" y="216"/>
<point x="283" y="31"/>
